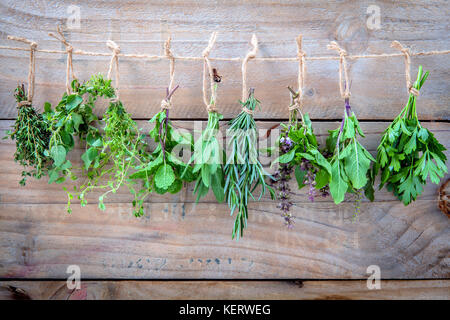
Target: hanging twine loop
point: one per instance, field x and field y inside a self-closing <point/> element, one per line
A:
<point x="298" y="98"/>
<point x="166" y="103"/>
<point x="31" y="69"/>
<point x="344" y="88"/>
<point x="69" y="51"/>
<point x="114" y="61"/>
<point x="211" y="104"/>
<point x="250" y="55"/>
<point x="409" y="85"/>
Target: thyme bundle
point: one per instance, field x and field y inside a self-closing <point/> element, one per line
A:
<point x="31" y="135"/>
<point x="408" y="153"/>
<point x="243" y="170"/>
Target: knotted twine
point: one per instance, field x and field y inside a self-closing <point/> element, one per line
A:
<point x="31" y="70"/>
<point x="211" y="104"/>
<point x="298" y="102"/>
<point x="166" y="103"/>
<point x="409" y="85"/>
<point x="250" y="55"/>
<point x="344" y="88"/>
<point x="69" y="50"/>
<point x="114" y="61"/>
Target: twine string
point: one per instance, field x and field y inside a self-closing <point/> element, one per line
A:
<point x="298" y="97"/>
<point x="344" y="85"/>
<point x="69" y="51"/>
<point x="31" y="69"/>
<point x="211" y="104"/>
<point x="250" y="55"/>
<point x="406" y="52"/>
<point x="114" y="61"/>
<point x="166" y="103"/>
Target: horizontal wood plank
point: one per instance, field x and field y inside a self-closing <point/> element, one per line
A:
<point x="226" y="290"/>
<point x="378" y="85"/>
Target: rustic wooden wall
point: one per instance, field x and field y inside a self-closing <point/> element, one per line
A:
<point x="179" y="239"/>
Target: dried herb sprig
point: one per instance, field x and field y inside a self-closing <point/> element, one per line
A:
<point x="164" y="172"/>
<point x="73" y="116"/>
<point x="208" y="158"/>
<point x="350" y="162"/>
<point x="32" y="137"/>
<point x="110" y="161"/>
<point x="243" y="169"/>
<point x="408" y="153"/>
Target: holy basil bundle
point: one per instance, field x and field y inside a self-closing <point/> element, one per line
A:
<point x="243" y="170"/>
<point x="32" y="137"/>
<point x="208" y="158"/>
<point x="407" y="151"/>
<point x="350" y="162"/>
<point x="73" y="116"/>
<point x="109" y="161"/>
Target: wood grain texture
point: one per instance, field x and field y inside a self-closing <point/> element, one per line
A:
<point x="225" y="290"/>
<point x="378" y="85"/>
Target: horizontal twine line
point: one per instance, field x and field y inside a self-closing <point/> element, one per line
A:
<point x="187" y="58"/>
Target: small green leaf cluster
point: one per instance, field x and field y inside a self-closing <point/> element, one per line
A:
<point x="73" y="116"/>
<point x="32" y="137"/>
<point x="408" y="153"/>
<point x="120" y="151"/>
<point x="243" y="170"/>
<point x="209" y="158"/>
<point x="350" y="162"/>
<point x="164" y="172"/>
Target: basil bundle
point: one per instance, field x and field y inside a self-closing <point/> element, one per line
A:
<point x="73" y="116"/>
<point x="32" y="137"/>
<point x="243" y="170"/>
<point x="408" y="153"/>
<point x="350" y="162"/>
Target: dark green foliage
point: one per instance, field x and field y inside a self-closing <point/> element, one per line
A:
<point x="243" y="169"/>
<point x="408" y="153"/>
<point x="32" y="138"/>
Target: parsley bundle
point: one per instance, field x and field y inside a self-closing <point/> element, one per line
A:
<point x="350" y="162"/>
<point x="32" y="137"/>
<point x="164" y="172"/>
<point x="406" y="152"/>
<point x="243" y="169"/>
<point x="73" y="116"/>
<point x="120" y="151"/>
<point x="208" y="158"/>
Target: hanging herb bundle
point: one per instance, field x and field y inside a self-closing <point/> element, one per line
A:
<point x="208" y="158"/>
<point x="110" y="160"/>
<point x="407" y="150"/>
<point x="73" y="116"/>
<point x="350" y="162"/>
<point x="32" y="137"/>
<point x="243" y="170"/>
<point x="165" y="172"/>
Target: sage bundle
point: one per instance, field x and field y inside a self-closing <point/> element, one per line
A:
<point x="243" y="170"/>
<point x="73" y="116"/>
<point x="350" y="162"/>
<point x="31" y="135"/>
<point x="408" y="153"/>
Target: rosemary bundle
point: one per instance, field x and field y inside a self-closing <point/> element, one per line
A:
<point x="350" y="162"/>
<point x="110" y="160"/>
<point x="73" y="116"/>
<point x="243" y="169"/>
<point x="164" y="172"/>
<point x="406" y="152"/>
<point x="32" y="137"/>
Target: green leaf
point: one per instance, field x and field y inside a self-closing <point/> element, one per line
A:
<point x="356" y="166"/>
<point x="338" y="186"/>
<point x="411" y="145"/>
<point x="322" y="178"/>
<point x="47" y="107"/>
<point x="73" y="101"/>
<point x="300" y="176"/>
<point x="58" y="154"/>
<point x="89" y="156"/>
<point x="164" y="176"/>
<point x="217" y="186"/>
<point x="287" y="157"/>
<point x="206" y="176"/>
<point x="77" y="120"/>
<point x="175" y="187"/>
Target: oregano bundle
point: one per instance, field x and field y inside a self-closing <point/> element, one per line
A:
<point x="243" y="170"/>
<point x="408" y="153"/>
<point x="73" y="116"/>
<point x="32" y="136"/>
<point x="350" y="162"/>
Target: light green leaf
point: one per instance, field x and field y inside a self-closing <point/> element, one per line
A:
<point x="338" y="187"/>
<point x="164" y="176"/>
<point x="58" y="154"/>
